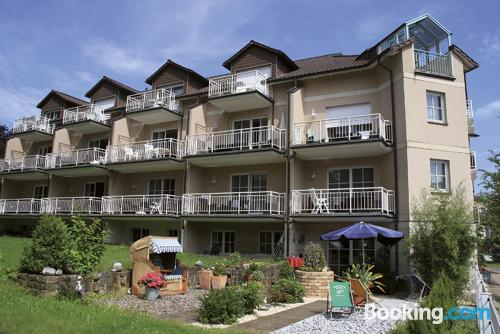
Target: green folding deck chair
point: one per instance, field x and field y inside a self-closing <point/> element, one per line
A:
<point x="339" y="298"/>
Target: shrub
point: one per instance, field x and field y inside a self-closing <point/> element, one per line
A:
<point x="442" y="238"/>
<point x="259" y="276"/>
<point x="88" y="244"/>
<point x="314" y="257"/>
<point x="286" y="290"/>
<point x="234" y="260"/>
<point x="251" y="294"/>
<point x="285" y="270"/>
<point x="219" y="269"/>
<point x="50" y="246"/>
<point x="364" y="273"/>
<point x="221" y="306"/>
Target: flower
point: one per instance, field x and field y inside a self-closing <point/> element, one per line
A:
<point x="153" y="280"/>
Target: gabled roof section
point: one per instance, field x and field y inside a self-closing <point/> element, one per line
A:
<point x="279" y="53"/>
<point x="170" y="62"/>
<point x="469" y="63"/>
<point x="65" y="97"/>
<point x="114" y="83"/>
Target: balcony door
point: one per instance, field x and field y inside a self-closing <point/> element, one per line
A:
<point x="252" y="134"/>
<point x="161" y="186"/>
<point x="343" y="253"/>
<point x="349" y="122"/>
<point x="222" y="242"/>
<point x="41" y="191"/>
<point x="93" y="189"/>
<point x="344" y="182"/>
<point x="98" y="143"/>
<point x="161" y="143"/>
<point x="249" y="185"/>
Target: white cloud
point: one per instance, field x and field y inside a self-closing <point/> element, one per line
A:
<point x="489" y="110"/>
<point x="18" y="102"/>
<point x="116" y="58"/>
<point x="374" y="27"/>
<point x="490" y="48"/>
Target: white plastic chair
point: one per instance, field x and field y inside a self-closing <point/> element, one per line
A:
<point x="364" y="134"/>
<point x="129" y="153"/>
<point x="320" y="203"/>
<point x="155" y="207"/>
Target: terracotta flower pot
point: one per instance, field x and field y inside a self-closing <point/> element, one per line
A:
<point x="219" y="282"/>
<point x="205" y="276"/>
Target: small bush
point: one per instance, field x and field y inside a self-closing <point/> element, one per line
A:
<point x="251" y="294"/>
<point x="219" y="269"/>
<point x="314" y="257"/>
<point x="234" y="260"/>
<point x="221" y="306"/>
<point x="285" y="270"/>
<point x="50" y="246"/>
<point x="286" y="290"/>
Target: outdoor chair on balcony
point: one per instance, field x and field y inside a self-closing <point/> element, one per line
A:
<point x="156" y="207"/>
<point x="130" y="154"/>
<point x="320" y="203"/>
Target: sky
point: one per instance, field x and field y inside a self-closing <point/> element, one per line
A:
<point x="70" y="45"/>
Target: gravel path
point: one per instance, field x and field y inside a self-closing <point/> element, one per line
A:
<point x="161" y="308"/>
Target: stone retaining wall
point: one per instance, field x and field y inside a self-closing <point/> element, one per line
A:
<point x="104" y="283"/>
<point x="315" y="283"/>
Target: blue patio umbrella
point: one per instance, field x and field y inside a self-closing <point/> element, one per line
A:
<point x="361" y="231"/>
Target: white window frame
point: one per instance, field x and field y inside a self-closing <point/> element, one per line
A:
<point x="85" y="188"/>
<point x="350" y="174"/>
<point x="173" y="86"/>
<point x="143" y="232"/>
<point x="39" y="186"/>
<point x="351" y="251"/>
<point x="223" y="240"/>
<point x="250" y="120"/>
<point x="164" y="131"/>
<point x="105" y="98"/>
<point x="249" y="178"/>
<point x="256" y="68"/>
<point x="435" y="109"/>
<point x="162" y="185"/>
<point x="273" y="241"/>
<point x="97" y="140"/>
<point x="446" y="175"/>
<point x="52" y="112"/>
<point x="46" y="148"/>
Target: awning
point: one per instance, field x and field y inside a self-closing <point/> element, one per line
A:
<point x="159" y="246"/>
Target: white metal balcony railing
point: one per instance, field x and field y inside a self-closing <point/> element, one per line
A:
<point x="241" y="203"/>
<point x="142" y="205"/>
<point x="71" y="205"/>
<point x="343" y="201"/>
<point x="29" y="206"/>
<point x="30" y="162"/>
<point x="469" y="111"/>
<point x="144" y="150"/>
<point x="236" y="140"/>
<point x="86" y="156"/>
<point x="433" y="63"/>
<point x="342" y="129"/>
<point x="85" y="113"/>
<point x="33" y="123"/>
<point x="473" y="160"/>
<point x="237" y="83"/>
<point x="489" y="322"/>
<point x="152" y="99"/>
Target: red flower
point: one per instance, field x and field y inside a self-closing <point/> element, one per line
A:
<point x="152" y="280"/>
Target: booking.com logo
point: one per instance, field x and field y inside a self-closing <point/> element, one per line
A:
<point x="437" y="314"/>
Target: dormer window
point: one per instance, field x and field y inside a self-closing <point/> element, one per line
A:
<point x="103" y="104"/>
<point x="266" y="71"/>
<point x="53" y="114"/>
<point x="177" y="89"/>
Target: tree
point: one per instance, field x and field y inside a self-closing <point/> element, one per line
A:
<point x="4" y="133"/>
<point x="442" y="238"/>
<point x="490" y="222"/>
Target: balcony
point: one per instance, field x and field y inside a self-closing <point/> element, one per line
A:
<point x="367" y="135"/>
<point x="145" y="156"/>
<point x="86" y="119"/>
<point x="433" y="63"/>
<point x="262" y="203"/>
<point x="241" y="91"/>
<point x="260" y="145"/>
<point x="71" y="163"/>
<point x="27" y="168"/>
<point x="472" y="160"/>
<point x="150" y="205"/>
<point x="33" y="128"/>
<point x="71" y="205"/>
<point x="154" y="106"/>
<point x="21" y="206"/>
<point x="469" y="112"/>
<point x="343" y="202"/>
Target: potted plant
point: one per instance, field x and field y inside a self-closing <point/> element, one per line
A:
<point x="219" y="278"/>
<point x="364" y="272"/>
<point x="252" y="268"/>
<point x="152" y="283"/>
<point x="205" y="277"/>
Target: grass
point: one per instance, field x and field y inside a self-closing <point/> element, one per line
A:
<point x="21" y="312"/>
<point x="12" y="247"/>
<point x="493" y="265"/>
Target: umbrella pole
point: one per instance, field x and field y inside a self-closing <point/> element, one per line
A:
<point x="363" y="249"/>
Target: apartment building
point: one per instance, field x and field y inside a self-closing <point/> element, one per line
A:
<point x="260" y="159"/>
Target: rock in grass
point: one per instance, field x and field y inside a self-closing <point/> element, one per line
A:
<point x="58" y="272"/>
<point x="48" y="271"/>
<point x="198" y="263"/>
<point x="117" y="266"/>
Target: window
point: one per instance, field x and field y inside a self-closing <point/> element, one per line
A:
<point x="139" y="233"/>
<point x="439" y="175"/>
<point x="173" y="233"/>
<point x="99" y="143"/>
<point x="266" y="71"/>
<point x="343" y="253"/>
<point x="270" y="242"/>
<point x="249" y="182"/>
<point x="163" y="186"/>
<point x="94" y="189"/>
<point x="350" y="178"/>
<point x="164" y="134"/>
<point x="103" y="104"/>
<point x="41" y="191"/>
<point x="435" y="107"/>
<point x="52" y="114"/>
<point x="177" y="89"/>
<point x="222" y="242"/>
<point x="44" y="150"/>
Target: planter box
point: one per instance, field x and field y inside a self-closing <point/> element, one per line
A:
<point x="315" y="283"/>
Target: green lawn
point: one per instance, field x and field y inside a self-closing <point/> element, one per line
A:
<point x="11" y="249"/>
<point x="20" y="312"/>
<point x="493" y="265"/>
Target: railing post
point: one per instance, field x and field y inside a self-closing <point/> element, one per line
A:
<point x="350" y="200"/>
<point x="17" y="206"/>
<point x="209" y="202"/>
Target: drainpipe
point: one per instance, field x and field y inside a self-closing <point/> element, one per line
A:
<point x="395" y="158"/>
<point x="289" y="157"/>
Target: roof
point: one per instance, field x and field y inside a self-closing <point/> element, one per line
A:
<point x="63" y="96"/>
<point x="114" y="83"/>
<point x="150" y="79"/>
<point x="469" y="63"/>
<point x="279" y="53"/>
